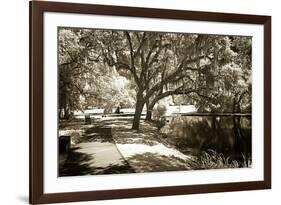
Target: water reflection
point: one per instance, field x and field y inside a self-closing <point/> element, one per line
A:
<point x="230" y="135"/>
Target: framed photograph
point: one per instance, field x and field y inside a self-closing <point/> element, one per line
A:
<point x="138" y="102"/>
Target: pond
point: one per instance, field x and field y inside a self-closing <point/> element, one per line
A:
<point x="227" y="134"/>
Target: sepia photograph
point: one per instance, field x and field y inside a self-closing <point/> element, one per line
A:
<point x="143" y="101"/>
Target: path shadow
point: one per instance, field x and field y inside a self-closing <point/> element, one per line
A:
<point x="80" y="163"/>
<point x="77" y="164"/>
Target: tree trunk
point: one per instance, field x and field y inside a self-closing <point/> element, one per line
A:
<point x="67" y="113"/>
<point x="235" y="128"/>
<point x="60" y="113"/>
<point x="148" y="111"/>
<point x="148" y="114"/>
<point x="150" y="108"/>
<point x="138" y="111"/>
<point x="240" y="147"/>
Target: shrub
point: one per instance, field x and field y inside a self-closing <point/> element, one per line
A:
<point x="159" y="111"/>
<point x="211" y="159"/>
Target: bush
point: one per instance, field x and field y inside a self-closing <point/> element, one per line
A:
<point x="159" y="111"/>
<point x="210" y="159"/>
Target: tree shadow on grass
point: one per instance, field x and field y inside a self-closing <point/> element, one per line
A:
<point x="147" y="134"/>
<point x="99" y="129"/>
<point x="96" y="138"/>
<point x="128" y="138"/>
<point x="97" y="134"/>
<point x="113" y="122"/>
<point x="152" y="162"/>
<point x="117" y="169"/>
<point x="73" y="124"/>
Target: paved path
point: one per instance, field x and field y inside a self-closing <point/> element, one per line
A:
<point x="110" y="146"/>
<point x="146" y="150"/>
<point x="96" y="153"/>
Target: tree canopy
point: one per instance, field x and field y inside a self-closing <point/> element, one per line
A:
<point x="130" y="68"/>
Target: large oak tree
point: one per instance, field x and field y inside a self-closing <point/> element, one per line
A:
<point x="158" y="65"/>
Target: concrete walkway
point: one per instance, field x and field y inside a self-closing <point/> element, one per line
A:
<point x="110" y="146"/>
<point x="147" y="151"/>
<point x="96" y="153"/>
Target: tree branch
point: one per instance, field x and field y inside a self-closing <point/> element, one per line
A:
<point x="172" y="76"/>
<point x="178" y="91"/>
<point x="141" y="44"/>
<point x="133" y="69"/>
<point x="164" y="81"/>
<point x="131" y="48"/>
